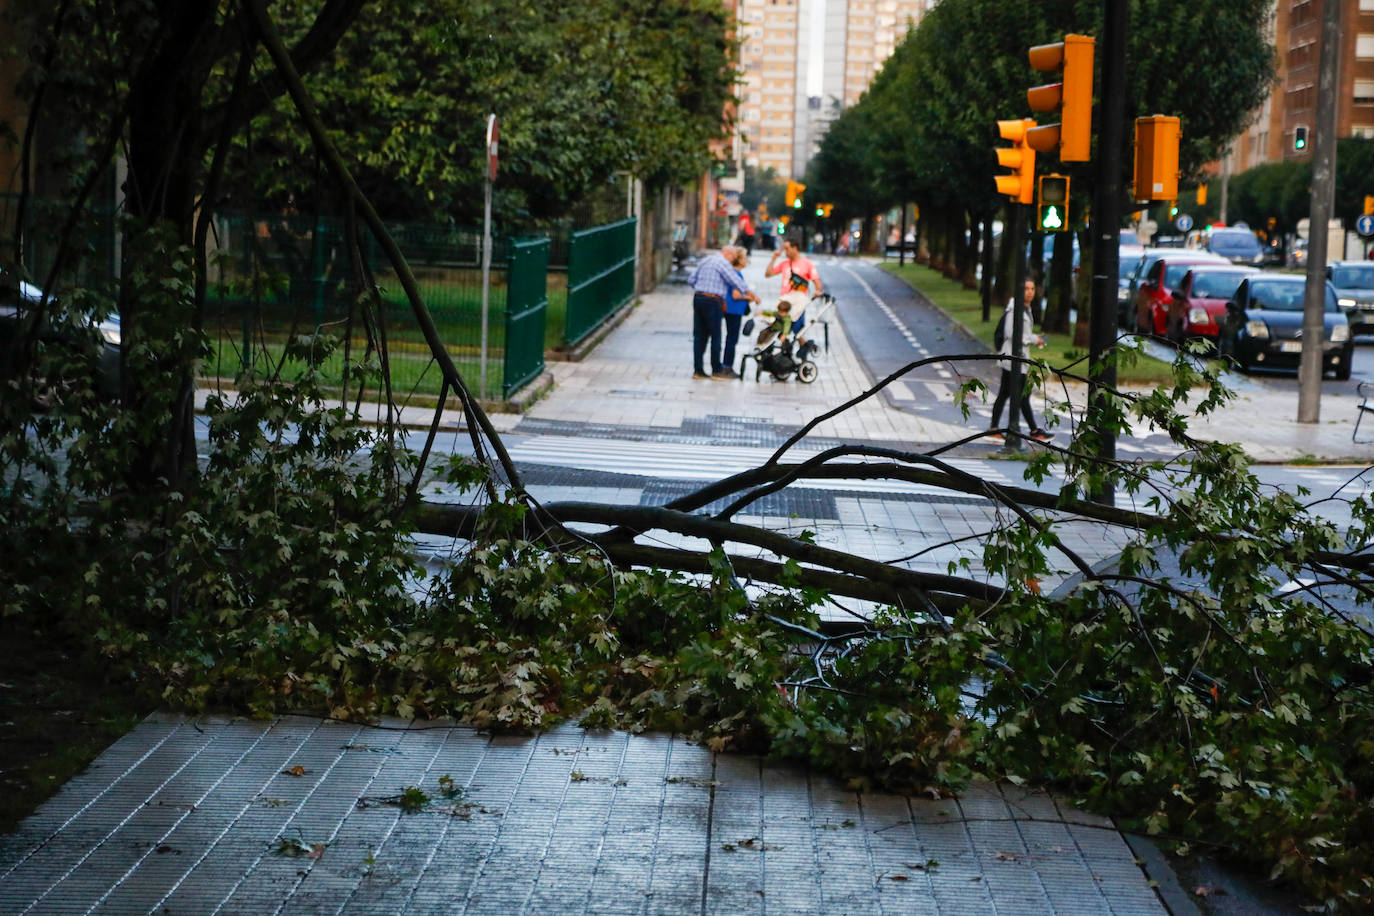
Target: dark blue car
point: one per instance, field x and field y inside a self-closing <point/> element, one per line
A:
<point x="1263" y="326"/>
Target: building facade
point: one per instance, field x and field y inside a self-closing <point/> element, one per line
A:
<point x="803" y="61"/>
<point x="1290" y="110"/>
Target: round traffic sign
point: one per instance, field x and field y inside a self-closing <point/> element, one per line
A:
<point x="1365" y="225"/>
<point x="1184" y="222"/>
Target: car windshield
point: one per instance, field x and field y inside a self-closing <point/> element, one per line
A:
<point x="1234" y="244"/>
<point x="1173" y="274"/>
<point x="1277" y="296"/>
<point x="1361" y="277"/>
<point x="1125" y="269"/>
<point x="1216" y="286"/>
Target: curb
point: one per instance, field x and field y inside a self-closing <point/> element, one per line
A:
<point x="608" y="324"/>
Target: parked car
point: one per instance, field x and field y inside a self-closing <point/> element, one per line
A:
<point x="1197" y="304"/>
<point x="1237" y="245"/>
<point x="89" y="338"/>
<point x="1263" y="326"/>
<point x="1157" y="280"/>
<point x="1354" y="283"/>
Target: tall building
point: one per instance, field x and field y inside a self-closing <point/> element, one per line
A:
<point x="1290" y="110"/>
<point x="803" y="62"/>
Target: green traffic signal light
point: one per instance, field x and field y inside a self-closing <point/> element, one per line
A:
<point x="796" y="204"/>
<point x="1051" y="218"/>
<point x="1300" y="138"/>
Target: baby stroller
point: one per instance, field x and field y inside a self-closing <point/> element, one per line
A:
<point x="782" y="357"/>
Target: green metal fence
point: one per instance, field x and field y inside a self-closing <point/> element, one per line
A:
<point x="277" y="275"/>
<point x="527" y="306"/>
<point x="601" y="276"/>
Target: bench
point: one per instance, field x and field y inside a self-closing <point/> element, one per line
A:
<point x="891" y="250"/>
<point x="1364" y="390"/>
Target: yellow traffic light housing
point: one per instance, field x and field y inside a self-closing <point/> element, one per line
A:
<point x="794" y="194"/>
<point x="1020" y="185"/>
<point x="1072" y="97"/>
<point x="1156" y="158"/>
<point x="1053" y="210"/>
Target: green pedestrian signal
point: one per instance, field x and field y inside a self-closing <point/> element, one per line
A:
<point x="1053" y="203"/>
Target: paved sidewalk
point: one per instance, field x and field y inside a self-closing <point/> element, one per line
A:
<point x="299" y="815"/>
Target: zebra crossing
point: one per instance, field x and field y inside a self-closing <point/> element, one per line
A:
<point x="677" y="461"/>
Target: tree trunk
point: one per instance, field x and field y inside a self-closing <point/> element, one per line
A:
<point x="1059" y="287"/>
<point x="1006" y="265"/>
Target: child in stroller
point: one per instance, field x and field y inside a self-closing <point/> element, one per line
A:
<point x="781" y="353"/>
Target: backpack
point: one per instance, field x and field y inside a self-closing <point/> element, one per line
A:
<point x="999" y="333"/>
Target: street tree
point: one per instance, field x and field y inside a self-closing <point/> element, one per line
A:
<point x="1213" y="704"/>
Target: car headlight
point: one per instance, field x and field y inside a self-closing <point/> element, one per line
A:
<point x="1347" y="303"/>
<point x="109" y="332"/>
<point x="1121" y="294"/>
<point x="1257" y="329"/>
<point x="1198" y="316"/>
<point x="1340" y="333"/>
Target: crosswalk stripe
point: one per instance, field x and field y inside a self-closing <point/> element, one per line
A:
<point x="674" y="461"/>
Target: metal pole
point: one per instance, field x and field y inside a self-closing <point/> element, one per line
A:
<point x="1106" y="234"/>
<point x="1323" y="202"/>
<point x="486" y="281"/>
<point x="1016" y="236"/>
<point x="986" y="286"/>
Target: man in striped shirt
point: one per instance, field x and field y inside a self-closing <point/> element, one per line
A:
<point x="712" y="281"/>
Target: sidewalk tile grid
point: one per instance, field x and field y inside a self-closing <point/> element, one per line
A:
<point x="210" y="816"/>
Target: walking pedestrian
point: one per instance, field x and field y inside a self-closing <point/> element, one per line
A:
<point x="712" y="282"/>
<point x="746" y="232"/>
<point x="1020" y="399"/>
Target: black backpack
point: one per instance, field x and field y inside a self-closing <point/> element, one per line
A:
<point x="999" y="334"/>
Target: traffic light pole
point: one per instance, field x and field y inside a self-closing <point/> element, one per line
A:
<point x="1018" y="321"/>
<point x="1106" y="230"/>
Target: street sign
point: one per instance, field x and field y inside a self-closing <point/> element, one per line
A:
<point x="1184" y="222"/>
<point x="492" y="141"/>
<point x="1365" y="225"/>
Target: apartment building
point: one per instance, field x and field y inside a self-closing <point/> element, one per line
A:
<point x="803" y="62"/>
<point x="1290" y="110"/>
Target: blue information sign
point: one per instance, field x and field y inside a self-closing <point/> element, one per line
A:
<point x="1365" y="225"/>
<point x="1184" y="222"/>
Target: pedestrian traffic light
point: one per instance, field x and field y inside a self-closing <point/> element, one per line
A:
<point x="794" y="194"/>
<point x="1156" y="158"/>
<point x="1053" y="204"/>
<point x="1072" y="97"/>
<point x="1300" y="138"/>
<point x="1020" y="185"/>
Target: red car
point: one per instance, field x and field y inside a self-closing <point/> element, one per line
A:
<point x="1198" y="304"/>
<point x="1154" y="292"/>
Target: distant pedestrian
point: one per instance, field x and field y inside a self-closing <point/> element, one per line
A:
<point x="712" y="282"/>
<point x="766" y="234"/>
<point x="1020" y="399"/>
<point x="746" y="232"/>
<point x="736" y="307"/>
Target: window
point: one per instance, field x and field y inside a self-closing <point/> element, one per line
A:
<point x="1364" y="92"/>
<point x="1364" y="46"/>
<point x="1367" y="6"/>
<point x="1363" y="130"/>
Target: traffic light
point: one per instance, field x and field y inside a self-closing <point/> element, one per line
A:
<point x="1368" y="205"/>
<point x="1054" y="204"/>
<point x="1156" y="158"/>
<point x="1201" y="194"/>
<point x="1072" y="97"/>
<point x="794" y="194"/>
<point x="1300" y="138"/>
<point x="823" y="210"/>
<point x="1020" y="185"/>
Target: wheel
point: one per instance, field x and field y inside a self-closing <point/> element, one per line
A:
<point x="782" y="376"/>
<point x="807" y="372"/>
<point x="1343" y="369"/>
